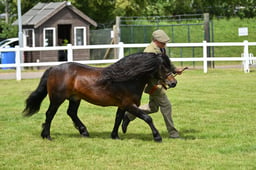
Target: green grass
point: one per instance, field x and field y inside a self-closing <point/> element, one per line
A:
<point x="214" y="112"/>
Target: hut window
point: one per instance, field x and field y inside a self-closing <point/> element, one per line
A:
<point x="29" y="39"/>
<point x="49" y="37"/>
<point x="80" y="36"/>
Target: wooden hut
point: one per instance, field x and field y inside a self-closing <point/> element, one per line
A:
<point x="55" y="24"/>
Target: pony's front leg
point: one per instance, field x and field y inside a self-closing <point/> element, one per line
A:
<point x="118" y="120"/>
<point x="140" y="114"/>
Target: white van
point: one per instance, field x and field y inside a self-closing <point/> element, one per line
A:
<point x="10" y="42"/>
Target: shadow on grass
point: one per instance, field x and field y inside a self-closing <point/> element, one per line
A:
<point x="186" y="134"/>
<point x="106" y="135"/>
<point x="101" y="135"/>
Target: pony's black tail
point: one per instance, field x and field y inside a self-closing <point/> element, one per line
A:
<point x="35" y="99"/>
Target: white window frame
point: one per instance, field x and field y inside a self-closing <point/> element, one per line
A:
<point x="25" y="39"/>
<point x="54" y="35"/>
<point x="84" y="33"/>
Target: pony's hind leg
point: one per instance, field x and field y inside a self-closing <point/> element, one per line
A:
<point x="72" y="112"/>
<point x="49" y="116"/>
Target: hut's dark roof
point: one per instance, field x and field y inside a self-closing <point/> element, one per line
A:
<point x="41" y="12"/>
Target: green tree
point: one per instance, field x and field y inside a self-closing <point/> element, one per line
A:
<point x="130" y="7"/>
<point x="101" y="11"/>
<point x="7" y="30"/>
<point x="159" y="8"/>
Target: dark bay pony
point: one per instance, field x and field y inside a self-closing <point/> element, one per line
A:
<point x="120" y="84"/>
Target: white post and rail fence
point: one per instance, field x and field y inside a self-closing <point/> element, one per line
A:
<point x="246" y="57"/>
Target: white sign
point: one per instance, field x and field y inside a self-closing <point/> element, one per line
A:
<point x="243" y="31"/>
<point x="112" y="34"/>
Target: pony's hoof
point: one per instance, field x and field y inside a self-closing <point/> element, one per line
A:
<point x="158" y="139"/>
<point x="47" y="137"/>
<point x="115" y="137"/>
<point x="85" y="134"/>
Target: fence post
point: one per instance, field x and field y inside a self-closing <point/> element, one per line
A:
<point x="246" y="57"/>
<point x="70" y="53"/>
<point x="121" y="50"/>
<point x="116" y="29"/>
<point x="207" y="37"/>
<point x="17" y="61"/>
<point x="205" y="56"/>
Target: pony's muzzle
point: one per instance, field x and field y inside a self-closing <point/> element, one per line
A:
<point x="172" y="84"/>
<point x="170" y="81"/>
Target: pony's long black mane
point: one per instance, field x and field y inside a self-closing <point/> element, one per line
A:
<point x="133" y="67"/>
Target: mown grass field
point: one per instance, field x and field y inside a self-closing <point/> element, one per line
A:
<point x="214" y="112"/>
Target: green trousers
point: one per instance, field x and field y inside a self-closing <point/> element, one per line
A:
<point x="156" y="101"/>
